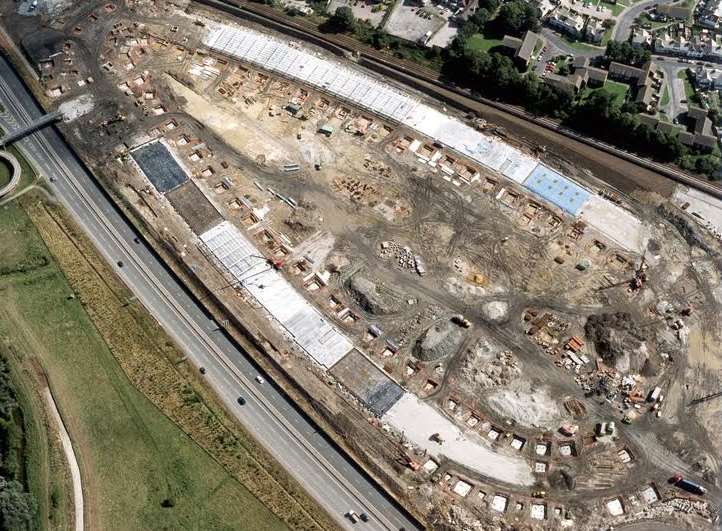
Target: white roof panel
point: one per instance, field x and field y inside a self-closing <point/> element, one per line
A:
<point x="301" y="320"/>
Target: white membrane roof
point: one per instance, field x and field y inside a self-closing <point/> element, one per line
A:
<point x="309" y="329"/>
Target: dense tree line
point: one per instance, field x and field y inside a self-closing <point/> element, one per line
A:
<point x="17" y="506"/>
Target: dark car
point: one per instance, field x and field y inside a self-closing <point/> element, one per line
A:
<point x="241" y="401"/>
<point x="364" y="517"/>
<point x="203" y="370"/>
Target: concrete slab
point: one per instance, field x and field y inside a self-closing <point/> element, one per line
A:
<point x="419" y="421"/>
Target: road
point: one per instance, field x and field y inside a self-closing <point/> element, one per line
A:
<point x="324" y="471"/>
<point x="671" y="69"/>
<point x="626" y="18"/>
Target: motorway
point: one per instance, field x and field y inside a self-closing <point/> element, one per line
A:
<point x="324" y="471"/>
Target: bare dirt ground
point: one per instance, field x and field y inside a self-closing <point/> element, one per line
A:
<point x="518" y="326"/>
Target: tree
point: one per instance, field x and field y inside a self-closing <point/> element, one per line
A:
<point x="342" y="21"/>
<point x="516" y="17"/>
<point x="624" y="52"/>
<point x="16" y="506"/>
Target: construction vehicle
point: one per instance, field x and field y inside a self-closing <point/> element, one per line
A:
<point x="688" y="485"/>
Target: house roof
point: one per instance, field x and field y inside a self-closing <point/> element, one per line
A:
<point x="686" y="138"/>
<point x="649" y="121"/>
<point x="565" y="83"/>
<point x="597" y="74"/>
<point x="665" y="127"/>
<point x="644" y="94"/>
<point x="527" y="45"/>
<point x="581" y="61"/>
<point x="619" y="69"/>
<point x="705" y="140"/>
<point x="675" y="11"/>
<point x="511" y="42"/>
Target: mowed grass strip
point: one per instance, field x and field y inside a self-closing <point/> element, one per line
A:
<point x="140" y="471"/>
<point x="151" y="362"/>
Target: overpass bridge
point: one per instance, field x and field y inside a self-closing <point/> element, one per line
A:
<point x="33" y="126"/>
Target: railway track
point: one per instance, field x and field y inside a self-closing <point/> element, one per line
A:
<point x="429" y="80"/>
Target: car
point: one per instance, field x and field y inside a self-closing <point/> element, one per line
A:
<point x="241" y="401"/>
<point x="202" y="370"/>
<point x="351" y="515"/>
<point x="260" y="379"/>
<point x="136" y="240"/>
<point x="364" y="517"/>
<point x="120" y="263"/>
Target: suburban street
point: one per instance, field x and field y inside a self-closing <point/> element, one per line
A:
<point x="271" y="417"/>
<point x="626" y="18"/>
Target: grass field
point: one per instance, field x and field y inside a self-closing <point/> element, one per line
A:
<point x="618" y="90"/>
<point x="688" y="88"/>
<point x="481" y="43"/>
<point x="140" y="471"/>
<point x="665" y="97"/>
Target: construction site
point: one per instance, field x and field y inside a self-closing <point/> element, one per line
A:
<point x="498" y="336"/>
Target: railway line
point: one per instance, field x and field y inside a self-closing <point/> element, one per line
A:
<point x="429" y="81"/>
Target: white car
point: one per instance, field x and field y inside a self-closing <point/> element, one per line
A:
<point x="260" y="379"/>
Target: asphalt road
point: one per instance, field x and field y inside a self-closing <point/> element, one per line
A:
<point x="323" y="470"/>
<point x="625" y="19"/>
<point x="671" y="69"/>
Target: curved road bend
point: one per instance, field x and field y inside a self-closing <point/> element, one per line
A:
<point x="626" y="18"/>
<point x="324" y="471"/>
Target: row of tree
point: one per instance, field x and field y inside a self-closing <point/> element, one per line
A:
<point x="17" y="506"/>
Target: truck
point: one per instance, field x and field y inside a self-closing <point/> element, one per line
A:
<point x="654" y="394"/>
<point x="688" y="485"/>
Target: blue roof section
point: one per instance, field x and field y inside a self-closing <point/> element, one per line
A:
<point x="159" y="166"/>
<point x="557" y="189"/>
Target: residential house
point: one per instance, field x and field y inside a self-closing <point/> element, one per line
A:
<point x="641" y="38"/>
<point x="567" y="21"/>
<point x="707" y="78"/>
<point x="594" y="30"/>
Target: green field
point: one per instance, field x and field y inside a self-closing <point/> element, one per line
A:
<point x="618" y="90"/>
<point x="665" y="97"/>
<point x="481" y="43"/>
<point x="139" y="470"/>
<point x="688" y="88"/>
